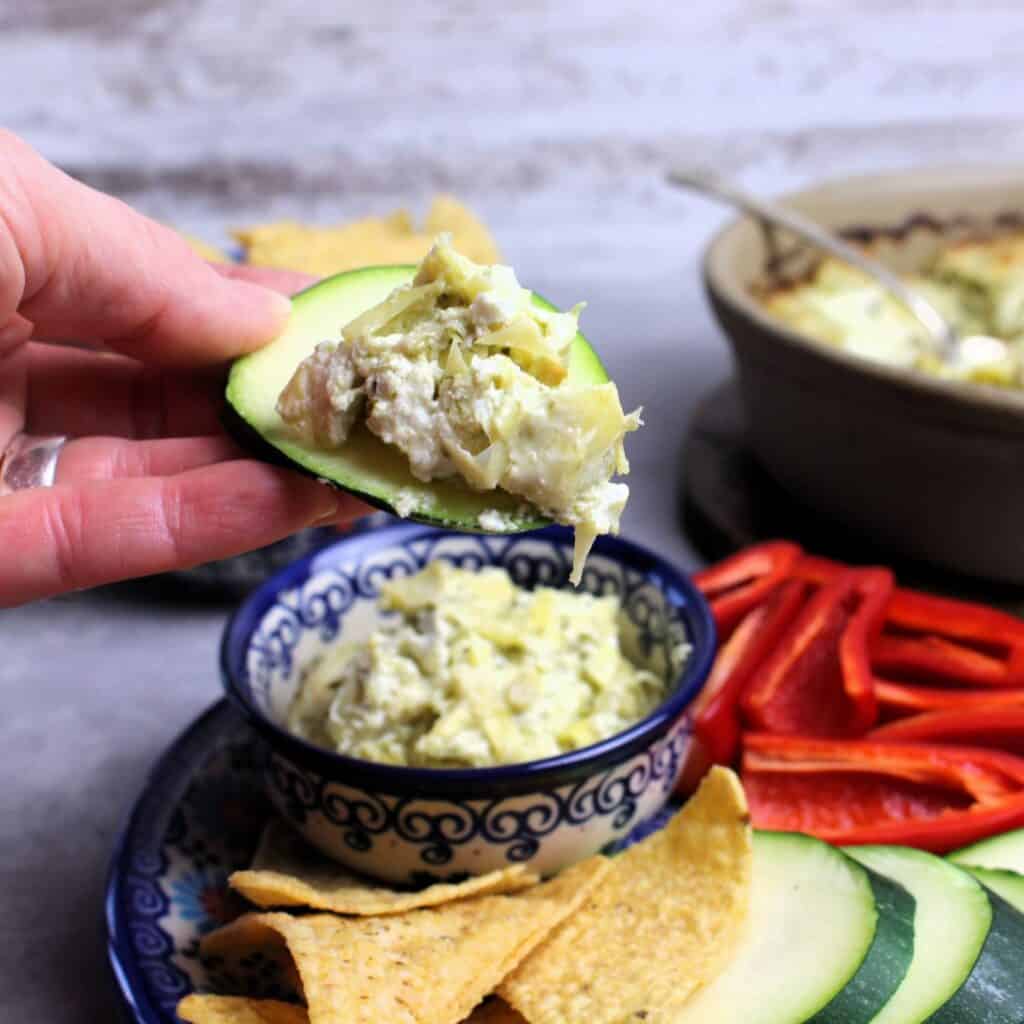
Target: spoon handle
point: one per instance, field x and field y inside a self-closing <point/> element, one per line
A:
<point x="940" y="330"/>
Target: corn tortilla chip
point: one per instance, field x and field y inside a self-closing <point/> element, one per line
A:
<point x="469" y="235"/>
<point x="429" y="966"/>
<point x="661" y="924"/>
<point x="288" y="872"/>
<point x="374" y="240"/>
<point x="229" y="954"/>
<point x="238" y="1010"/>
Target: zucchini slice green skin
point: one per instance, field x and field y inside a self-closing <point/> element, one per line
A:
<point x="365" y="466"/>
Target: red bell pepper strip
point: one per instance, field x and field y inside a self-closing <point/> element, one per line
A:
<point x="997" y="728"/>
<point x="716" y="709"/>
<point x="916" y="611"/>
<point x="936" y="659"/>
<point x="818" y="681"/>
<point x="741" y="582"/>
<point x="939" y="639"/>
<point x="897" y="700"/>
<point x="818" y="570"/>
<point x="934" y="797"/>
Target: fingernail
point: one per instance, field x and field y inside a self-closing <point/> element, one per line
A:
<point x="277" y="305"/>
<point x="281" y="305"/>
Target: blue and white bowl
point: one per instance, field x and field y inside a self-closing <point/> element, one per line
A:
<point x="413" y="825"/>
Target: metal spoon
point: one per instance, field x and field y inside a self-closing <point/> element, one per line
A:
<point x="945" y="340"/>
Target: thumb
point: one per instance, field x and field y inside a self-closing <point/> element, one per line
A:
<point x="81" y="264"/>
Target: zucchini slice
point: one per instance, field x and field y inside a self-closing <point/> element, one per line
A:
<point x="827" y="941"/>
<point x="966" y="964"/>
<point x="365" y="466"/>
<point x="952" y="920"/>
<point x="994" y="992"/>
<point x="1005" y="852"/>
<point x="1007" y="884"/>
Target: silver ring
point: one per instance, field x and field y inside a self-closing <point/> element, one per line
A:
<point x="29" y="461"/>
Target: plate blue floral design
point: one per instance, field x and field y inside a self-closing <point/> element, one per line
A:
<point x="198" y="818"/>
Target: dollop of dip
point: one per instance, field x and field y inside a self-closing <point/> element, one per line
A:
<point x="473" y="671"/>
<point x="468" y="377"/>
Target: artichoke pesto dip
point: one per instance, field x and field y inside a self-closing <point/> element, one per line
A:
<point x="473" y="671"/>
<point x="977" y="285"/>
<point x="468" y="377"/>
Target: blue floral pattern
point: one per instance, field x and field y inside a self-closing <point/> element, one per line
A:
<point x="199" y="896"/>
<point x="198" y="820"/>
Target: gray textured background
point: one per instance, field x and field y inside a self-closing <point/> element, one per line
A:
<point x="556" y="125"/>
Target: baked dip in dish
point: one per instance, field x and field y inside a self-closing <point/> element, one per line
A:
<point x="928" y="467"/>
<point x="976" y="283"/>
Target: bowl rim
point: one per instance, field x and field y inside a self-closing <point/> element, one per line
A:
<point x="524" y="776"/>
<point x="722" y="285"/>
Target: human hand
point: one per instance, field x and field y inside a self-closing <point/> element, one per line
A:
<point x="149" y="482"/>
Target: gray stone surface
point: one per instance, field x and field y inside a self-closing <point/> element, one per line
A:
<point x="555" y="120"/>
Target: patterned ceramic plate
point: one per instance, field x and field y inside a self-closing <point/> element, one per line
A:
<point x="198" y="819"/>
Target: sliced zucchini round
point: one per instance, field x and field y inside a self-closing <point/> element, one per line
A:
<point x="994" y="991"/>
<point x="365" y="466"/>
<point x="966" y="967"/>
<point x="1008" y="884"/>
<point x="825" y="941"/>
<point x="952" y="920"/>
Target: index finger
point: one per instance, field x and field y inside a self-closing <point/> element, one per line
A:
<point x="78" y="263"/>
<point x="54" y="539"/>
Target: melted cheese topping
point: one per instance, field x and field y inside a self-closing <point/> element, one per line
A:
<point x="978" y="286"/>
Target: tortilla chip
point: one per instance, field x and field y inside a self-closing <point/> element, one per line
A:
<point x="663" y="922"/>
<point x="288" y="872"/>
<point x="429" y="966"/>
<point x="238" y="1010"/>
<point x="362" y="243"/>
<point x="232" y="953"/>
<point x="469" y="235"/>
<point x="495" y="1011"/>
